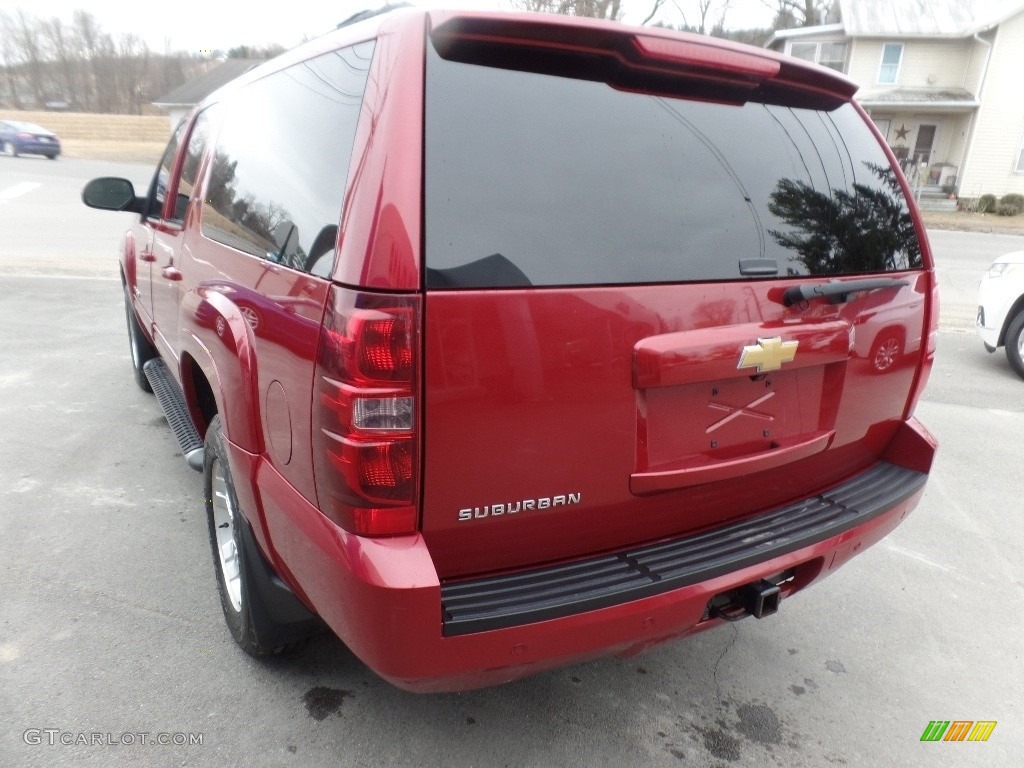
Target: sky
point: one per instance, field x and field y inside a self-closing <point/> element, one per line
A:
<point x="200" y="25"/>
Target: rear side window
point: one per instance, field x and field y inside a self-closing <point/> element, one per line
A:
<point x="281" y="161"/>
<point x="534" y="179"/>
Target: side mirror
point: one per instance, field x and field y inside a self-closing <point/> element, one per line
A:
<point x="112" y="194"/>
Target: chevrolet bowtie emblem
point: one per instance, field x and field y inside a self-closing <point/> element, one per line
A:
<point x="768" y="354"/>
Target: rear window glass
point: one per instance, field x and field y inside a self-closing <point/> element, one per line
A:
<point x="281" y="161"/>
<point x="538" y="180"/>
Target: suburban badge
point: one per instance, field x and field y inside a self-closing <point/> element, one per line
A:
<point x="768" y="354"/>
<point x="514" y="507"/>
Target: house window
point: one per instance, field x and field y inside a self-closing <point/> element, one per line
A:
<point x="831" y="55"/>
<point x="805" y="51"/>
<point x="892" y="57"/>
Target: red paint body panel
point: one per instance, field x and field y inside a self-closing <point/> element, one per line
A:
<point x="382" y="598"/>
<point x="627" y="398"/>
<point x="711" y="354"/>
<point x="529" y="394"/>
<point x="381" y="228"/>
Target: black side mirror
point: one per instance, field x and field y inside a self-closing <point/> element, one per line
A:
<point x="112" y="194"/>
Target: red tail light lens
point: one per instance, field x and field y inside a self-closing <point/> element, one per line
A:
<point x="385" y="346"/>
<point x="364" y="412"/>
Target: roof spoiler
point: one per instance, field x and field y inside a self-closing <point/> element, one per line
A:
<point x="632" y="58"/>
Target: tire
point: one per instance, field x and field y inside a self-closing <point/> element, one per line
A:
<point x="51" y="157"/>
<point x="10" y="150"/>
<point x="1015" y="344"/>
<point x="231" y="553"/>
<point x="139" y="348"/>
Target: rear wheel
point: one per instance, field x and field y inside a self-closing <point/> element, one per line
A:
<point x="10" y="150"/>
<point x="52" y="157"/>
<point x="229" y="545"/>
<point x="1015" y="344"/>
<point x="141" y="350"/>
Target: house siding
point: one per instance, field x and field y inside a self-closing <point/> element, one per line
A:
<point x="1000" y="123"/>
<point x="976" y="65"/>
<point x="948" y="61"/>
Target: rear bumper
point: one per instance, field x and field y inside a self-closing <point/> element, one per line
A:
<point x="383" y="598"/>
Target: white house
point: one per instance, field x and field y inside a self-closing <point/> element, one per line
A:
<point x="942" y="79"/>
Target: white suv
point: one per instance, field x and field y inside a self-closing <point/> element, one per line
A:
<point x="1001" y="308"/>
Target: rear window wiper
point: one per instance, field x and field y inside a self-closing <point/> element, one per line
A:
<point x="837" y="291"/>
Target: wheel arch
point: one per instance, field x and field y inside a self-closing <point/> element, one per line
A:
<point x="218" y="358"/>
<point x="1018" y="306"/>
<point x="199" y="392"/>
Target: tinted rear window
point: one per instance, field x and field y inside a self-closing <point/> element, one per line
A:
<point x="533" y="179"/>
<point x="282" y="156"/>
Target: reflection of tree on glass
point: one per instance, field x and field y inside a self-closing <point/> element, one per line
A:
<point x="865" y="229"/>
<point x="284" y="206"/>
<point x="264" y="226"/>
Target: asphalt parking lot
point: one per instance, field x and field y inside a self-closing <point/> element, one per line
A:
<point x="110" y="623"/>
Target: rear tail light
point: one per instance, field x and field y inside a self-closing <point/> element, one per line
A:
<point x="365" y="449"/>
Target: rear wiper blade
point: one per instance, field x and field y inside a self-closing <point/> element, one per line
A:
<point x="837" y="291"/>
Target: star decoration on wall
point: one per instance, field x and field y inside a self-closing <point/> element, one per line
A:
<point x="901" y="133"/>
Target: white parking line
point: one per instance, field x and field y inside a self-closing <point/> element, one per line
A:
<point x="18" y="190"/>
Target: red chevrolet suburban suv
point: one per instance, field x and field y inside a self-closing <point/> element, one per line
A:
<point x="505" y="341"/>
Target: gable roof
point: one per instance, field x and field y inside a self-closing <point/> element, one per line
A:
<point x="907" y="17"/>
<point x="932" y="98"/>
<point x="199" y="88"/>
<point x="912" y="18"/>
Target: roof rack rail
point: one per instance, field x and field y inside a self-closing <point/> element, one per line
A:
<point x="370" y="13"/>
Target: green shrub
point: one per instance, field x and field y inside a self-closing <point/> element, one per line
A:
<point x="986" y="203"/>
<point x="1006" y="209"/>
<point x="1013" y="199"/>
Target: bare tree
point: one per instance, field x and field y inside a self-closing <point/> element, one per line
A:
<point x="77" y="63"/>
<point x="25" y="34"/>
<point x="595" y="9"/>
<point x="654" y="11"/>
<point x="800" y="13"/>
<point x="9" y="56"/>
<point x="61" y="49"/>
<point x="132" y="64"/>
<point x="87" y="39"/>
<point x="705" y="9"/>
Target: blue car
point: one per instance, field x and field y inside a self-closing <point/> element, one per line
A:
<point x="18" y="138"/>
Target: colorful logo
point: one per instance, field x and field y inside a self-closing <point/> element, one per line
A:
<point x="958" y="730"/>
